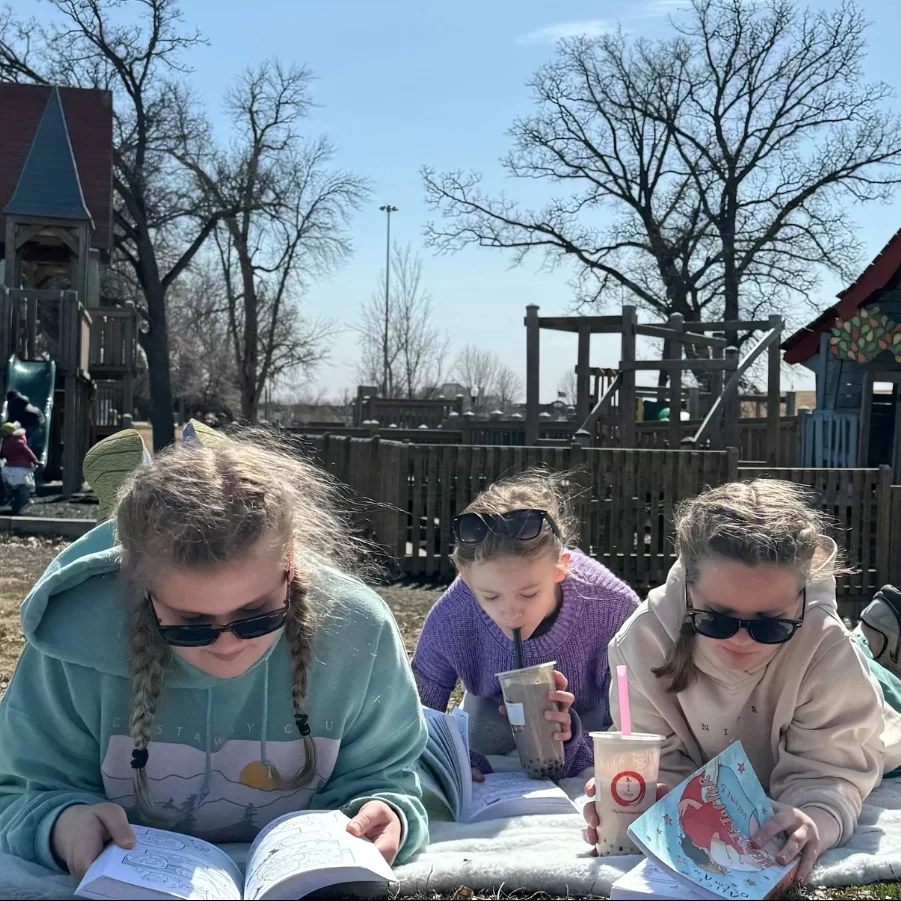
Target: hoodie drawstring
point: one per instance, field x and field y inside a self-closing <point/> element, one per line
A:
<point x="209" y="742"/>
<point x="264" y="756"/>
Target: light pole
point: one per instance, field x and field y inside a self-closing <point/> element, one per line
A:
<point x="388" y="210"/>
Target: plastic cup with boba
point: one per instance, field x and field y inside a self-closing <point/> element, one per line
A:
<point x="626" y="765"/>
<point x="625" y="774"/>
<point x="526" y="696"/>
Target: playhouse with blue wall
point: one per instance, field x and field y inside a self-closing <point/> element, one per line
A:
<point x="854" y="350"/>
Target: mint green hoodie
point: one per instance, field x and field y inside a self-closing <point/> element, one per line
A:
<point x="64" y="721"/>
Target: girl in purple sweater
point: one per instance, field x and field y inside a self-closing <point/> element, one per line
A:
<point x="518" y="571"/>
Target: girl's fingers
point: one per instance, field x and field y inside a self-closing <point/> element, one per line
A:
<point x="590" y="788"/>
<point x="477" y="775"/>
<point x="808" y="859"/>
<point x="502" y="710"/>
<point x="792" y="847"/>
<point x="115" y="821"/>
<point x="561" y="680"/>
<point x="590" y="815"/>
<point x="566" y="698"/>
<point x="783" y="821"/>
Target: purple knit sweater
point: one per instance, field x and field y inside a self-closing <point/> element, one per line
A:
<point x="460" y="641"/>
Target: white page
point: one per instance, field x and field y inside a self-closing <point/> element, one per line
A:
<point x="173" y="864"/>
<point x="515" y="794"/>
<point x="649" y="881"/>
<point x="298" y="843"/>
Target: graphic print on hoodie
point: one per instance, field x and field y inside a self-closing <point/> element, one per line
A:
<point x="217" y="743"/>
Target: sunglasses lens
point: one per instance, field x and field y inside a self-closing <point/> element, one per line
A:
<point x="714" y="625"/>
<point x="188" y="636"/>
<point x="259" y="626"/>
<point x="470" y="528"/>
<point x="774" y="631"/>
<point x="519" y="525"/>
<point x="523" y="525"/>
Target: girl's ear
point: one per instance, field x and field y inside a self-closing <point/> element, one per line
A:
<point x="563" y="567"/>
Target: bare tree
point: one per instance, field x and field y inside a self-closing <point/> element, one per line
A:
<point x="417" y="349"/>
<point x="490" y="383"/>
<point x="286" y="225"/>
<point x="142" y="64"/>
<point x="731" y="153"/>
<point x="567" y="388"/>
<point x="204" y="373"/>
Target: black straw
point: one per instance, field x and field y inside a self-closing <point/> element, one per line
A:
<point x="517" y="648"/>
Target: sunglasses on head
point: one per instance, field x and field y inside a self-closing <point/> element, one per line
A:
<point x="519" y="525"/>
<point x="721" y="626"/>
<point x="199" y="635"/>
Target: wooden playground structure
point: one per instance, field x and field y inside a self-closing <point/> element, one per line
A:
<point x="56" y="222"/>
<point x="616" y="408"/>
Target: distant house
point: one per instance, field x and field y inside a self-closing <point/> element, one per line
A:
<point x="854" y="349"/>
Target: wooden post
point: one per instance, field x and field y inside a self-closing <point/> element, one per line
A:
<point x="716" y="389"/>
<point x="627" y="396"/>
<point x="805" y="441"/>
<point x="5" y="323"/>
<point x="677" y="324"/>
<point x="732" y="406"/>
<point x="694" y="403"/>
<point x="533" y="374"/>
<point x="583" y="372"/>
<point x="773" y="395"/>
<point x="791" y="399"/>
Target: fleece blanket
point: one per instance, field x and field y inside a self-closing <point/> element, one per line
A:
<point x="547" y="854"/>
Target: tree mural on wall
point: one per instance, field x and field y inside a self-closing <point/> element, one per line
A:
<point x="865" y="335"/>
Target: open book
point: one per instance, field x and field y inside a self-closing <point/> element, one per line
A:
<point x="500" y="795"/>
<point x="698" y="838"/>
<point x="292" y="857"/>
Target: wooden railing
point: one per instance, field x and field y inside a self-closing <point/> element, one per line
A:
<point x="623" y="500"/>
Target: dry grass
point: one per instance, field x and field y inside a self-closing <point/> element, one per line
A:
<point x="22" y="560"/>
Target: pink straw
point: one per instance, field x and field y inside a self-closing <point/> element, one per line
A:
<point x="625" y="716"/>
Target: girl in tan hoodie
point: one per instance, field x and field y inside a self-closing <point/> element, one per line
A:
<point x="744" y="643"/>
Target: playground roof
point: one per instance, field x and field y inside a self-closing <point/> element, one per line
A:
<point x="49" y="184"/>
<point x="56" y="155"/>
<point x="804" y="344"/>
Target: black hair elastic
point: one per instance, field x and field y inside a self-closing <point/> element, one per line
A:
<point x="303" y="727"/>
<point x="139" y="758"/>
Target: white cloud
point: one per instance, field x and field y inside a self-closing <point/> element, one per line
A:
<point x="654" y="9"/>
<point x="550" y="34"/>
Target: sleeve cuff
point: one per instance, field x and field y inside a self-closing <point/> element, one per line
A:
<point x="480" y="762"/>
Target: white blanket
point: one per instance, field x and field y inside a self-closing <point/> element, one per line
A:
<point x="547" y="854"/>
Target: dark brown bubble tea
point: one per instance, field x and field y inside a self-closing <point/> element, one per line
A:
<point x="526" y="697"/>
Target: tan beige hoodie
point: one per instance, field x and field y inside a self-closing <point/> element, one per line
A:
<point x="811" y="719"/>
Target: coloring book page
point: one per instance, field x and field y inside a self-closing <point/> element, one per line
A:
<point x="702" y="829"/>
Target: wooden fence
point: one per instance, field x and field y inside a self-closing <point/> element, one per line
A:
<point x="623" y="500"/>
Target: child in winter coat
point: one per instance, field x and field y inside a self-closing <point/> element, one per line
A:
<point x="18" y="478"/>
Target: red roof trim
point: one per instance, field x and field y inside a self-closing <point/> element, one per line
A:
<point x="801" y="346"/>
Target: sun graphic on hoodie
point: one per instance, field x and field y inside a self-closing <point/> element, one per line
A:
<point x="259" y="775"/>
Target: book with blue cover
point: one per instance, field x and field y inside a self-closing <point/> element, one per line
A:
<point x="699" y="835"/>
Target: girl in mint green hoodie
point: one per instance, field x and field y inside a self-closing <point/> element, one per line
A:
<point x="211" y="671"/>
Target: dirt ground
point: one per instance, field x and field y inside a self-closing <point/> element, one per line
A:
<point x="22" y="560"/>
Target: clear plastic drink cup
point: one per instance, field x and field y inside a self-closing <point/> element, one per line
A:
<point x="625" y="772"/>
<point x="526" y="697"/>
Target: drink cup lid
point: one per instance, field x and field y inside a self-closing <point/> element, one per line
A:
<point x="538" y="667"/>
<point x="647" y="737"/>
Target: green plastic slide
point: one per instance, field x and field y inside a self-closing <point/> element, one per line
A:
<point x="36" y="380"/>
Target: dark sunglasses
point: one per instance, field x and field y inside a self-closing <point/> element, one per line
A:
<point x="720" y="626"/>
<point x="199" y="635"/>
<point x="519" y="525"/>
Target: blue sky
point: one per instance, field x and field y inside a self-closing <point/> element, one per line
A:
<point x="405" y="83"/>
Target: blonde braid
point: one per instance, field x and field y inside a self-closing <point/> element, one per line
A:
<point x="150" y="659"/>
<point x="300" y="630"/>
